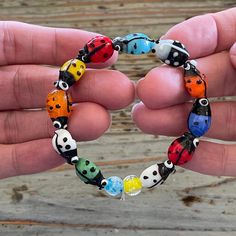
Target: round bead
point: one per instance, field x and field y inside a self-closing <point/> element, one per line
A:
<point x="99" y="49"/>
<point x="70" y="72"/>
<point x="132" y="185"/>
<point x="136" y="43"/>
<point x="59" y="107"/>
<point x="114" y="186"/>
<point x="171" y="52"/>
<point x="182" y="149"/>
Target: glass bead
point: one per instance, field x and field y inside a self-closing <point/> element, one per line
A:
<point x="59" y="107"/>
<point x="171" y="52"/>
<point x="114" y="186"/>
<point x="99" y="49"/>
<point x="181" y="149"/>
<point x="89" y="173"/>
<point x="137" y="43"/>
<point x="199" y="120"/>
<point x="70" y="72"/>
<point x="132" y="185"/>
<point x="195" y="82"/>
<point x="157" y="174"/>
<point x="65" y="145"/>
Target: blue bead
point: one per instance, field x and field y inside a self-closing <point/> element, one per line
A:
<point x="198" y="125"/>
<point x="114" y="186"/>
<point x="136" y="43"/>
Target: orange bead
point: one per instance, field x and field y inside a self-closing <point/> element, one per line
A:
<point x="196" y="86"/>
<point x="59" y="107"/>
<point x="194" y="81"/>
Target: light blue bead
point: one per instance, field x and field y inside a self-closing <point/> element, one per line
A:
<point x="114" y="186"/>
<point x="137" y="44"/>
<point x="198" y="125"/>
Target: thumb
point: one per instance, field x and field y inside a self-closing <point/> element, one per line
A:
<point x="233" y="54"/>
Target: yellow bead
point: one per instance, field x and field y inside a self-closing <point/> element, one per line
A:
<point x="132" y="185"/>
<point x="75" y="67"/>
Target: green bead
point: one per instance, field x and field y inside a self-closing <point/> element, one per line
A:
<point x="88" y="172"/>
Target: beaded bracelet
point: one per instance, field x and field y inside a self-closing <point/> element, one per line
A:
<point x="99" y="49"/>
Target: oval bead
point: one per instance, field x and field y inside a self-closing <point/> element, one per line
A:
<point x="182" y="149"/>
<point x="132" y="185"/>
<point x="70" y="72"/>
<point x="195" y="83"/>
<point x="65" y="145"/>
<point x="136" y="44"/>
<point x="114" y="186"/>
<point x="156" y="174"/>
<point x="171" y="52"/>
<point x="98" y="50"/>
<point x="90" y="173"/>
<point x="59" y="107"/>
<point x="199" y="120"/>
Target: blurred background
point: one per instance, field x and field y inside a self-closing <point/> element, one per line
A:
<point x="57" y="202"/>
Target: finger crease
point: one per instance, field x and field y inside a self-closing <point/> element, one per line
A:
<point x="15" y="161"/>
<point x="9" y="42"/>
<point x="11" y="127"/>
<point x="55" y="46"/>
<point x="224" y="160"/>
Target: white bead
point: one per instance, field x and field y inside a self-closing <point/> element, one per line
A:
<point x="167" y="62"/>
<point x="151" y="176"/>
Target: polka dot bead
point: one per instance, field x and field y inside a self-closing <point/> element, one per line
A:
<point x="98" y="50"/>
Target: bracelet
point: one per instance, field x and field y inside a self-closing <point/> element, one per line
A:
<point x="99" y="49"/>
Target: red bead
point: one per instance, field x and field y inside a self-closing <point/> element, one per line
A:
<point x="99" y="49"/>
<point x="182" y="149"/>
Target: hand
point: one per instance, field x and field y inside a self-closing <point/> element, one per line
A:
<point x="24" y="84"/>
<point x="210" y="39"/>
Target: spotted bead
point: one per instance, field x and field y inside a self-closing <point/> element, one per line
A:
<point x="156" y="174"/>
<point x="171" y="52"/>
<point x="136" y="43"/>
<point x="99" y="49"/>
<point x="199" y="120"/>
<point x="70" y="72"/>
<point x="182" y="149"/>
<point x="59" y="107"/>
<point x="89" y="173"/>
<point x="65" y="145"/>
<point x="194" y="81"/>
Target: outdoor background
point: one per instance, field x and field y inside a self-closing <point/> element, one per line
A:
<point x="58" y="203"/>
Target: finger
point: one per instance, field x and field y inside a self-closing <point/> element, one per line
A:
<point x="27" y="86"/>
<point x="214" y="159"/>
<point x="22" y="43"/>
<point x="87" y="122"/>
<point x="172" y="121"/>
<point x="164" y="86"/>
<point x="206" y="34"/>
<point x="28" y="158"/>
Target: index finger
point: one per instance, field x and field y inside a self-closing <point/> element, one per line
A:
<point x="22" y="43"/>
<point x="206" y="34"/>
